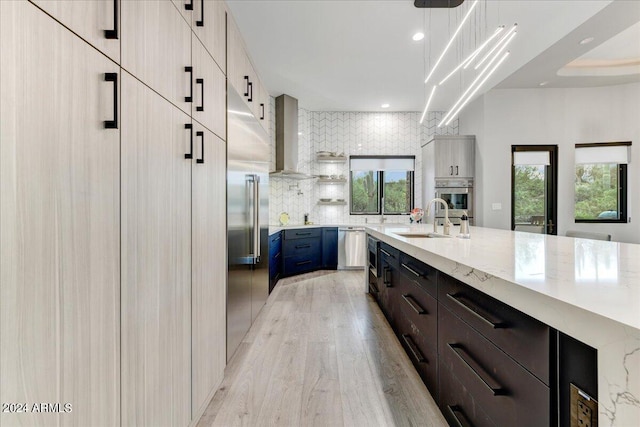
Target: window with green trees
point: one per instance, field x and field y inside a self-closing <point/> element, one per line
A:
<point x="370" y="187"/>
<point x="599" y="192"/>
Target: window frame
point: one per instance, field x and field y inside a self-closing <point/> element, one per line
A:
<point x="380" y="190"/>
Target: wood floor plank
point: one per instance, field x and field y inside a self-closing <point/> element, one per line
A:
<point x="321" y="354"/>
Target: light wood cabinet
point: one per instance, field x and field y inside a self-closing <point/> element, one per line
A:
<point x="236" y="58"/>
<point x="454" y="156"/>
<point x="209" y="25"/>
<point x="59" y="221"/>
<point x="156" y="261"/>
<point x="96" y="21"/>
<point x="209" y="98"/>
<point x="156" y="48"/>
<point x="209" y="264"/>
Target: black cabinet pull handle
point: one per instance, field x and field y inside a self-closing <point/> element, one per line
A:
<point x="201" y="83"/>
<point x="417" y="354"/>
<point x="461" y="421"/>
<point x="303" y="262"/>
<point x="450" y="170"/>
<point x="112" y="77"/>
<point x="262" y="115"/>
<point x="277" y="255"/>
<point x="495" y="388"/>
<point x="200" y="23"/>
<point x="200" y="134"/>
<point x="387" y="253"/>
<point x="385" y="280"/>
<point x="414" y="304"/>
<point x="456" y="170"/>
<point x="411" y="270"/>
<point x="189" y="6"/>
<point x="190" y="71"/>
<point x="276" y="239"/>
<point x="189" y="155"/>
<point x="476" y="311"/>
<point x="250" y="92"/>
<point x="302" y="246"/>
<point x="113" y="34"/>
<point x="246" y="92"/>
<point x="302" y="234"/>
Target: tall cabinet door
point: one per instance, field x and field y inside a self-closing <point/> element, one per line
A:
<point x="59" y="222"/>
<point x="209" y="102"/>
<point x="209" y="266"/>
<point x="96" y="21"/>
<point x="209" y="25"/>
<point x="156" y="48"/>
<point x="156" y="262"/>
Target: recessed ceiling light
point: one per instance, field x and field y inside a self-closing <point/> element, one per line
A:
<point x="544" y="83"/>
<point x="385" y="105"/>
<point x="587" y="40"/>
<point x="418" y="36"/>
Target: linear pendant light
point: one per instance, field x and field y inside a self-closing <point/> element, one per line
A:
<point x="505" y="37"/>
<point x="482" y="73"/>
<point x="473" y="5"/>
<point x="426" y="107"/>
<point x="495" y="67"/>
<point x="475" y="53"/>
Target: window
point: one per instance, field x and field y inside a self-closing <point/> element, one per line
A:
<point x="381" y="178"/>
<point x="601" y="182"/>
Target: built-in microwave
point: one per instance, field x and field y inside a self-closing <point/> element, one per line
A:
<point x="458" y="194"/>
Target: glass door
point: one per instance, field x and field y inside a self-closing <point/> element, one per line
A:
<point x="534" y="188"/>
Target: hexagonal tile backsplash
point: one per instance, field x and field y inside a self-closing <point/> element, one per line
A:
<point x="351" y="133"/>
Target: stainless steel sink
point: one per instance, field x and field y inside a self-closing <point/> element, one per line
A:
<point x="423" y="235"/>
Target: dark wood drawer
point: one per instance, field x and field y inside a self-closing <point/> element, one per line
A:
<point x="419" y="272"/>
<point x="457" y="405"/>
<point x="389" y="294"/>
<point x="301" y="263"/>
<point x="302" y="233"/>
<point x="299" y="247"/>
<point x="389" y="254"/>
<point x="506" y="392"/>
<point x="522" y="337"/>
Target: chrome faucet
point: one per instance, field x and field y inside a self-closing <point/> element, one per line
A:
<point x="447" y="224"/>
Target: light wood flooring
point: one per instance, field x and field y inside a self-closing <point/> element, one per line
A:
<point x="321" y="354"/>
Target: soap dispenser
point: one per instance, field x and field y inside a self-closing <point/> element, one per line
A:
<point x="464" y="226"/>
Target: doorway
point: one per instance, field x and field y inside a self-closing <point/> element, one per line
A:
<point x="534" y="188"/>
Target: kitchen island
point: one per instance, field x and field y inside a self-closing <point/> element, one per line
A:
<point x="586" y="289"/>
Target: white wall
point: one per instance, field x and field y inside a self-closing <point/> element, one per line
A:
<point x="564" y="117"/>
<point x="352" y="133"/>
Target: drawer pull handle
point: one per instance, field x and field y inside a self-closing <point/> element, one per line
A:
<point x="276" y="239"/>
<point x="495" y="388"/>
<point x="385" y="278"/>
<point x="387" y="253"/>
<point x="113" y="34"/>
<point x="189" y="70"/>
<point x="303" y="262"/>
<point x="302" y="246"/>
<point x="411" y="270"/>
<point x="277" y="255"/>
<point x="112" y="77"/>
<point x="461" y="420"/>
<point x="462" y="302"/>
<point x="373" y="287"/>
<point x="302" y="234"/>
<point x="413" y="304"/>
<point x="201" y="83"/>
<point x="414" y="350"/>
<point x="200" y="23"/>
<point x="189" y="155"/>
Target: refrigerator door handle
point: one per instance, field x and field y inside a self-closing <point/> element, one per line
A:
<point x="256" y="218"/>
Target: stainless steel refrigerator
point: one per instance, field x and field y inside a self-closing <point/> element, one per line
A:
<point x="248" y="155"/>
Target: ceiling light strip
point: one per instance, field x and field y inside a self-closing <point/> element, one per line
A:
<point x="482" y="73"/>
<point x="505" y="37"/>
<point x="475" y="53"/>
<point x="473" y="5"/>
<point x="426" y="107"/>
<point x="495" y="67"/>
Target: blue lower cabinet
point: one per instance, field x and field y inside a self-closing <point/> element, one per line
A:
<point x="297" y="264"/>
<point x="275" y="259"/>
<point x="330" y="248"/>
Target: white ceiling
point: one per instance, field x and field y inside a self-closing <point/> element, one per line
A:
<point x="355" y="55"/>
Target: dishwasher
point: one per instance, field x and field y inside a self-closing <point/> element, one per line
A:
<point x="351" y="248"/>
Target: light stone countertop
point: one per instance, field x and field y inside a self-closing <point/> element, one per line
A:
<point x="585" y="288"/>
<point x="276" y="228"/>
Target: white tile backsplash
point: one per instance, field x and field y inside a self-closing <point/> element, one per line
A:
<point x="352" y="133"/>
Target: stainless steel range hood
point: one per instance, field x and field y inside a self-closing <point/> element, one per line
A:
<point x="287" y="139"/>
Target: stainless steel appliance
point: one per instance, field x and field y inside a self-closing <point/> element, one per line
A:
<point x="458" y="193"/>
<point x="351" y="248"/>
<point x="247" y="219"/>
